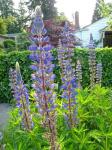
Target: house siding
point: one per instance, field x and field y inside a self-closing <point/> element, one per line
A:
<point x="95" y="28"/>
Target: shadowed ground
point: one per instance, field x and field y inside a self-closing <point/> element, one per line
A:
<point x="4" y="109"/>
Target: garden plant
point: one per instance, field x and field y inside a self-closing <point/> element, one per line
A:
<point x="57" y="112"/>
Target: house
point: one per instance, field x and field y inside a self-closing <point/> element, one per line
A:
<point x="97" y="29"/>
<point x="107" y="38"/>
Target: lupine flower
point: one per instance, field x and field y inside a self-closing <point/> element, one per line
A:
<point x="12" y="79"/>
<point x="65" y="53"/>
<point x="22" y="97"/>
<point x="99" y="73"/>
<point x="92" y="62"/>
<point x="43" y="77"/>
<point x="67" y="37"/>
<point x="79" y="73"/>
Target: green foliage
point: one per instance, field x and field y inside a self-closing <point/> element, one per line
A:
<point x="15" y="19"/>
<point x="12" y="24"/>
<point x="106" y="10"/>
<point x="3" y="26"/>
<point x="9" y="25"/>
<point x="103" y="55"/>
<point x="8" y="60"/>
<point x="93" y="130"/>
<point x="1" y="48"/>
<point x="60" y="18"/>
<point x="9" y="45"/>
<point x="48" y="8"/>
<point x="97" y="12"/>
<point x="6" y="8"/>
<point x="1" y="45"/>
<point x="22" y="41"/>
<point x="16" y="138"/>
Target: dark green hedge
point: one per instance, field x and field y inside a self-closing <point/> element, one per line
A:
<point x="102" y="54"/>
<point x="8" y="60"/>
<point x="9" y="45"/>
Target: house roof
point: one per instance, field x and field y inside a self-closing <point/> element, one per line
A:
<point x="103" y="29"/>
<point x="85" y="28"/>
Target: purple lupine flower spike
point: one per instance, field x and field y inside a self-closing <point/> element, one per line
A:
<point x="99" y="73"/>
<point x="12" y="79"/>
<point x="65" y="53"/>
<point x="91" y="42"/>
<point x="43" y="77"/>
<point x="92" y="62"/>
<point x="79" y="73"/>
<point x="22" y="97"/>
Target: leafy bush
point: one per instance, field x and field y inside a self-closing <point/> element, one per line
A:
<point x="103" y="54"/>
<point x="3" y="26"/>
<point x="1" y="47"/>
<point x="23" y="41"/>
<point x="1" y="51"/>
<point x="92" y="131"/>
<point x="21" y="139"/>
<point x="9" y="45"/>
<point x="23" y="46"/>
<point x="9" y="60"/>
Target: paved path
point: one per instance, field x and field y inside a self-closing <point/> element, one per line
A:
<point x="4" y="109"/>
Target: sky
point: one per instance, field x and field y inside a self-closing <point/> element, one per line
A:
<point x="85" y="8"/>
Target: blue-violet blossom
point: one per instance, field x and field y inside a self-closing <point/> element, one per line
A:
<point x="92" y="62"/>
<point x="20" y="93"/>
<point x="43" y="77"/>
<point x="65" y="53"/>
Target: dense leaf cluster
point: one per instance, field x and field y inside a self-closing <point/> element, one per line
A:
<point x="93" y="130"/>
<point x="8" y="60"/>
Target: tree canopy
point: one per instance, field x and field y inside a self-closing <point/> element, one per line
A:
<point x="106" y="10"/>
<point x="97" y="12"/>
<point x="17" y="19"/>
<point x="3" y="27"/>
<point x="48" y="7"/>
<point x="6" y="8"/>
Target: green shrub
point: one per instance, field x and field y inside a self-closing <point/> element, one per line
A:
<point x="20" y="139"/>
<point x="1" y="51"/>
<point x="1" y="45"/>
<point x="23" y="46"/>
<point x="1" y="48"/>
<point x="23" y="41"/>
<point x="103" y="54"/>
<point x="6" y="62"/>
<point x="9" y="45"/>
<point x="9" y="60"/>
<point x="93" y="130"/>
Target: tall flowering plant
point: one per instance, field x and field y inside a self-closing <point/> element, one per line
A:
<point x="43" y="77"/>
<point x="12" y="83"/>
<point x="99" y="73"/>
<point x="92" y="62"/>
<point x="20" y="93"/>
<point x="65" y="52"/>
<point x="79" y="73"/>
